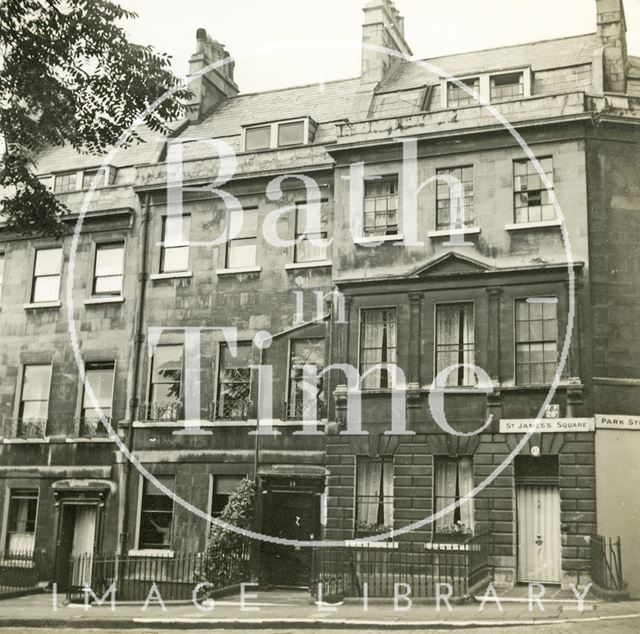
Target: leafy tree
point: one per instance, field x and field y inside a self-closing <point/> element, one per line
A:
<point x="225" y="557"/>
<point x="69" y="76"/>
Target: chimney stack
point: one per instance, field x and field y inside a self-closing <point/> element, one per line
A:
<point x="213" y="86"/>
<point x="612" y="30"/>
<point x="384" y="27"/>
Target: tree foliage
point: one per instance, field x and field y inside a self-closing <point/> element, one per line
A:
<point x="219" y="562"/>
<point x="70" y="76"/>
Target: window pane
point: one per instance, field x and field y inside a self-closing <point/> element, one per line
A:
<point x="35" y="385"/>
<point x="21" y="522"/>
<point x="100" y="378"/>
<point x="109" y="259"/>
<point x="241" y="253"/>
<point x="156" y="514"/>
<point x="291" y="133"/>
<point x="257" y="138"/>
<point x="111" y="285"/>
<point x="46" y="289"/>
<point x="176" y="230"/>
<point x="48" y="261"/>
<point x="175" y="259"/>
<point x="91" y="176"/>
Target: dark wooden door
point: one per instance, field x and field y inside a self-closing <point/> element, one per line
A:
<point x="289" y="514"/>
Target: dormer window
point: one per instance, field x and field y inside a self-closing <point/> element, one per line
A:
<point x="83" y="179"/>
<point x="507" y="86"/>
<point x="258" y="138"/>
<point x="458" y="97"/>
<point x="278" y="134"/>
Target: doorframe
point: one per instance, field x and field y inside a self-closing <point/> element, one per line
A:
<point x="67" y="498"/>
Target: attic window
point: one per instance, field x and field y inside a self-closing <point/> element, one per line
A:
<point x="458" y="97"/>
<point x="507" y="86"/>
<point x="278" y="134"/>
<point x="258" y="138"/>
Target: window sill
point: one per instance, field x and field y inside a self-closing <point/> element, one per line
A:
<point x="104" y="300"/>
<point x="25" y="441"/>
<point x="376" y="239"/>
<point x="446" y="233"/>
<point x="34" y="305"/>
<point x="354" y="543"/>
<point x="90" y="439"/>
<point x="244" y="269"/>
<point x="447" y="545"/>
<point x="169" y="276"/>
<point x="308" y="265"/>
<point x="151" y="552"/>
<point x="523" y="226"/>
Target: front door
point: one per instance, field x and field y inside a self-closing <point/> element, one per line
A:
<point x="290" y="513"/>
<point x="538" y="510"/>
<point x="76" y="542"/>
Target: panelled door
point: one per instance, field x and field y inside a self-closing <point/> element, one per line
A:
<point x="538" y="509"/>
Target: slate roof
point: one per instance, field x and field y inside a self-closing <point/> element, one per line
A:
<point x="398" y="94"/>
<point x="545" y="54"/>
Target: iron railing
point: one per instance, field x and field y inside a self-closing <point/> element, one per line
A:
<point x="606" y="562"/>
<point x="299" y="410"/>
<point x="167" y="412"/>
<point x="25" y="428"/>
<point x="230" y="409"/>
<point x="92" y="427"/>
<point x="176" y="575"/>
<point x="21" y="571"/>
<point x="344" y="571"/>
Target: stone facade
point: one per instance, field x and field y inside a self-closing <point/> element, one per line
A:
<point x="567" y="112"/>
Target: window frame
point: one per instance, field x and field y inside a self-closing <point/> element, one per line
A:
<point x="320" y="402"/>
<point x="95" y="276"/>
<point x="297" y="234"/>
<point x="274" y="134"/>
<point x="213" y="478"/>
<point x="83" y="387"/>
<point x="501" y="98"/>
<point x="385" y="461"/>
<point x="467" y="224"/>
<point x="541" y="191"/>
<point x="141" y="493"/>
<point x="370" y="233"/>
<point x="19" y="405"/>
<point x="248" y="343"/>
<point x="10" y="491"/>
<point x="516" y="376"/>
<point x="179" y="401"/>
<point x="184" y="244"/>
<point x="35" y="277"/>
<point x="467" y="100"/>
<point x="71" y="176"/>
<point x="242" y="237"/>
<point x="390" y="378"/>
<point x="436" y="344"/>
<point x="437" y="533"/>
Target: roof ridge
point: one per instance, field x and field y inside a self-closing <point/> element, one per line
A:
<point x="309" y="85"/>
<point x="499" y="48"/>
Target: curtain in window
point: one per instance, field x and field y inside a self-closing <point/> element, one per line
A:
<point x="387" y="492"/>
<point x="369" y="472"/>
<point x="378" y="345"/>
<point x="445" y="493"/>
<point x="465" y="485"/>
<point x="455" y="342"/>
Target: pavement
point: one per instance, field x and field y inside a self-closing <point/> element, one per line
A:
<point x="288" y="610"/>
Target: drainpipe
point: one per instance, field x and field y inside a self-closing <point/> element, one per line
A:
<point x="134" y="371"/>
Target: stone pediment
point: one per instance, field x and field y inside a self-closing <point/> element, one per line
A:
<point x="451" y="264"/>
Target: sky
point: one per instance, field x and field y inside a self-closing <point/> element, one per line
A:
<point x="328" y="32"/>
